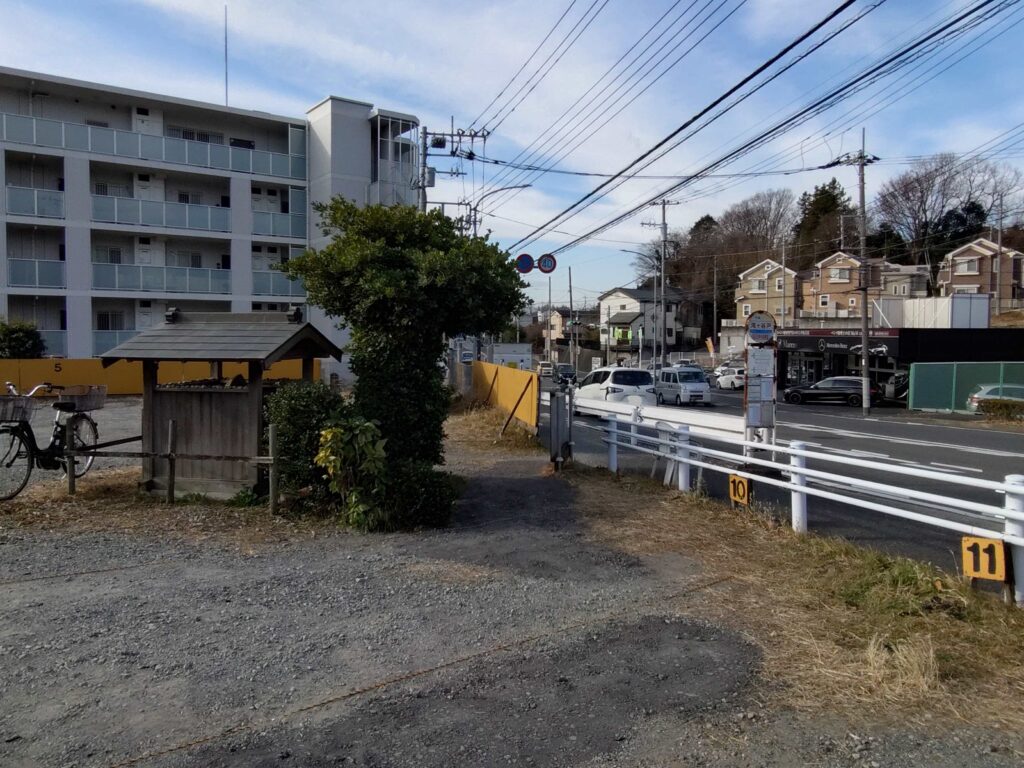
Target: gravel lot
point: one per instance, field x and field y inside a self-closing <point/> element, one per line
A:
<point x="512" y="638"/>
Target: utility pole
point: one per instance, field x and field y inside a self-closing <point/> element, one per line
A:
<point x="714" y="321"/>
<point x="784" y="284"/>
<point x="572" y="327"/>
<point x="547" y="336"/>
<point x="423" y="170"/>
<point x="660" y="306"/>
<point x="997" y="267"/>
<point x="865" y="354"/>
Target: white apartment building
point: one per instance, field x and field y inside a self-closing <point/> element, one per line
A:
<point x="118" y="204"/>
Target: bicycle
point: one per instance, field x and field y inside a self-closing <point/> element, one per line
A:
<point x="19" y="451"/>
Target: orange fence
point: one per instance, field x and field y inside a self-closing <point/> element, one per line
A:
<point x="125" y="378"/>
<point x="512" y="391"/>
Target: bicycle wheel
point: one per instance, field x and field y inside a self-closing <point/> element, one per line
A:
<point x="84" y="435"/>
<point x="15" y="463"/>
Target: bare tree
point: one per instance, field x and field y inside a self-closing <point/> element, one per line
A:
<point x="762" y="221"/>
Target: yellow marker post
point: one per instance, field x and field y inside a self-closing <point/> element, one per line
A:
<point x="739" y="489"/>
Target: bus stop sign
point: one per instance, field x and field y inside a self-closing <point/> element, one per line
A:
<point x="760" y="328"/>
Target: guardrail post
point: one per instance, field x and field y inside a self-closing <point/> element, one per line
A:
<point x="172" y="442"/>
<point x="683" y="453"/>
<point x="69" y="446"/>
<point x="798" y="499"/>
<point x="274" y="468"/>
<point x="1015" y="527"/>
<point x="613" y="447"/>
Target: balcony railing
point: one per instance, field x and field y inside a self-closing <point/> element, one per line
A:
<point x="56" y="342"/>
<point x="109" y="141"/>
<point x="25" y="201"/>
<point x="275" y="283"/>
<point x="154" y="213"/>
<point x="35" y="273"/>
<point x="280" y="224"/>
<point x="143" y="277"/>
<point x="104" y="341"/>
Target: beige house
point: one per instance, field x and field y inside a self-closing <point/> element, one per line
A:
<point x="903" y="281"/>
<point x="767" y="287"/>
<point x="553" y="326"/>
<point x="975" y="268"/>
<point x="833" y="287"/>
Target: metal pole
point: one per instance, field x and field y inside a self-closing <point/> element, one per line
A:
<point x="664" y="251"/>
<point x="784" y="285"/>
<point x="865" y="373"/>
<point x="69" y="445"/>
<point x="423" y="169"/>
<point x="716" y="343"/>
<point x="683" y="451"/>
<point x="797" y="499"/>
<point x="225" y="54"/>
<point x="999" y="259"/>
<point x="572" y="341"/>
<point x="172" y="442"/>
<point x="274" y="468"/>
<point x="613" y="448"/>
<point x="547" y="339"/>
<point x="1015" y="503"/>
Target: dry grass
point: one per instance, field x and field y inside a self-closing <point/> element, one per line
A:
<point x="840" y="626"/>
<point x="477" y="427"/>
<point x="108" y="500"/>
<point x="1012" y="319"/>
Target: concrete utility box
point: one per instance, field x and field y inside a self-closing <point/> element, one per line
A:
<point x="221" y="415"/>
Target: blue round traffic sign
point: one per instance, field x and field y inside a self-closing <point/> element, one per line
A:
<point x="524" y="263"/>
<point x="547" y="263"/>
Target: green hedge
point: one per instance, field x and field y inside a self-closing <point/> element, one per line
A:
<point x="1002" y="410"/>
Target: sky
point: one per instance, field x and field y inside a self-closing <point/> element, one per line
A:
<point x="446" y="62"/>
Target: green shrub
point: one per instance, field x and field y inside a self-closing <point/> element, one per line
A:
<point x="352" y="456"/>
<point x="416" y="495"/>
<point x="1002" y="410"/>
<point x="302" y="410"/>
<point x="20" y="341"/>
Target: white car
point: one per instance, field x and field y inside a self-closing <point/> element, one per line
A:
<point x="728" y="364"/>
<point x="683" y="385"/>
<point x="732" y="378"/>
<point x="984" y="392"/>
<point x="617" y="385"/>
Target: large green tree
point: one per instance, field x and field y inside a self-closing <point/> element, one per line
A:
<point x="402" y="281"/>
<point x="821" y="217"/>
<point x="20" y="341"/>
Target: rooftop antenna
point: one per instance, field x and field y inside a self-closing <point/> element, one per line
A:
<point x="225" y="54"/>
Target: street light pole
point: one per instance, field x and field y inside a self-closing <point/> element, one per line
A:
<point x="476" y="206"/>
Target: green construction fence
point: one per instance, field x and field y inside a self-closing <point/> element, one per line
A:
<point x="946" y="386"/>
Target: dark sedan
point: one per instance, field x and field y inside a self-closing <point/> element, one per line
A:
<point x="838" y="389"/>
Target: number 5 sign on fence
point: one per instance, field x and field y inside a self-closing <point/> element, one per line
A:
<point x="739" y="489"/>
<point x="983" y="558"/>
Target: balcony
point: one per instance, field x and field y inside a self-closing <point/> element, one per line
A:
<point x="56" y="342"/>
<point x="104" y="341"/>
<point x="275" y="283"/>
<point x="108" y="141"/>
<point x="142" y="277"/>
<point x="279" y="224"/>
<point x="35" y="273"/>
<point x="154" y="213"/>
<point x="25" y="201"/>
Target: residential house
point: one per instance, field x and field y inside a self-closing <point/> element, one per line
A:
<point x="553" y="325"/>
<point x="767" y="287"/>
<point x="904" y="281"/>
<point x="628" y="315"/>
<point x="834" y="288"/>
<point x="975" y="268"/>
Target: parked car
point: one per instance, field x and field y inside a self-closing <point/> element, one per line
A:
<point x="564" y="371"/>
<point x="545" y="369"/>
<point x="728" y="364"/>
<point x="682" y="385"/>
<point x="836" y="389"/>
<point x="617" y="385"/>
<point x="731" y="378"/>
<point x="984" y="392"/>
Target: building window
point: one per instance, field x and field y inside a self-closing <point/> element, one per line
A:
<point x="779" y="284"/>
<point x="778" y="311"/>
<point x="190" y="198"/>
<point x="839" y="275"/>
<point x="142" y="111"/>
<point x="966" y="266"/>
<point x="746" y="310"/>
<point x="110" y="321"/>
<point x="853" y="302"/>
<point x="98" y="123"/>
<point x="903" y="290"/>
<point x="192" y="134"/>
<point x="823" y="300"/>
<point x="668" y="332"/>
<point x="104" y="254"/>
<point x="759" y="284"/>
<point x="106" y="189"/>
<point x="965" y="289"/>
<point x="894" y="289"/>
<point x="622" y="306"/>
<point x="192" y="259"/>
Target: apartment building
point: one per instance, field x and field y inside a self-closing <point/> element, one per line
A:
<point x="979" y="267"/>
<point x="768" y="287"/>
<point x="118" y="204"/>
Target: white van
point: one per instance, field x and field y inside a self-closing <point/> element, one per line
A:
<point x="617" y="385"/>
<point x="682" y="385"/>
<point x="732" y="378"/>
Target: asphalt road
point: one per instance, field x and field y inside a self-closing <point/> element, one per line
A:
<point x="890" y="436"/>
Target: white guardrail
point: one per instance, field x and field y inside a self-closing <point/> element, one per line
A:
<point x="677" y="427"/>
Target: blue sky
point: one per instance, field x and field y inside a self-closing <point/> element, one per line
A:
<point x="444" y="60"/>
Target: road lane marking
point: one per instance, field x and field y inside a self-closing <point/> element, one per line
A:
<point x="956" y="467"/>
<point x="905" y="441"/>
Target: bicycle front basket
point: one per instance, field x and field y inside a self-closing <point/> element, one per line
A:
<point x="16" y="407"/>
<point x="85" y="397"/>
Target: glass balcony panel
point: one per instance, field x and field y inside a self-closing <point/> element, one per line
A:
<point x="261" y="162"/>
<point x="199" y="281"/>
<point x="220" y="156"/>
<point x="220" y="281"/>
<point x="261" y="223"/>
<point x="260" y="283"/>
<point x="296" y="140"/>
<point x="175" y="150"/>
<point x="177" y="279"/>
<point x="282" y="224"/>
<point x="280" y="165"/>
<point x="50" y="274"/>
<point x="296" y="200"/>
<point x="20" y="129"/>
<point x="76" y="136"/>
<point x="298" y="167"/>
<point x="129" y="277"/>
<point x="104" y="341"/>
<point x="152" y="278"/>
<point x="55" y="341"/>
<point x="298" y="225"/>
<point x="101" y="140"/>
<point x="104" y="276"/>
<point x="175" y="215"/>
<point x="21" y="272"/>
<point x="151" y="147"/>
<point x="49" y="202"/>
<point x="220" y="219"/>
<point x="103" y="208"/>
<point x="152" y="213"/>
<point x="49" y="133"/>
<point x="198" y="216"/>
<point x="198" y="153"/>
<point x="126" y="143"/>
<point x="21" y="201"/>
<point x="241" y="160"/>
<point x="128" y="210"/>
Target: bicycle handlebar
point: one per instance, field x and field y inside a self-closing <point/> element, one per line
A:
<point x="45" y="386"/>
